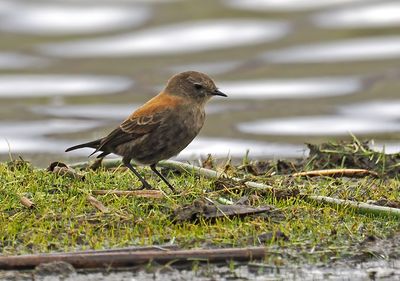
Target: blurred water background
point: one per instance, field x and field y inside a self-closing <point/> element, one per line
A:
<point x="296" y="71"/>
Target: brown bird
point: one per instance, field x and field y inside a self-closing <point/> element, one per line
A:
<point x="162" y="127"/>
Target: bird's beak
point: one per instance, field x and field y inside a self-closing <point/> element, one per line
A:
<point x="217" y="92"/>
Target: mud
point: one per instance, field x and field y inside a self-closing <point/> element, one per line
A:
<point x="371" y="270"/>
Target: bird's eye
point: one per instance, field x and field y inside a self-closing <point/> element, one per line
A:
<point x="198" y="86"/>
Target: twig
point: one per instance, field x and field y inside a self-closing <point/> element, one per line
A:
<point x="136" y="193"/>
<point x="27" y="202"/>
<point x="357" y="206"/>
<point x="337" y="173"/>
<point x="97" y="204"/>
<point x="360" y="207"/>
<point x="125" y="249"/>
<point x="131" y="258"/>
<point x="184" y="167"/>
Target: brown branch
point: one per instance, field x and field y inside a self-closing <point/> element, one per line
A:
<point x="337" y="173"/>
<point x="131" y="258"/>
<point x="137" y="193"/>
<point x="97" y="204"/>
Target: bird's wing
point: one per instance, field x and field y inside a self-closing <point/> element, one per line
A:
<point x="143" y="124"/>
<point x="151" y="114"/>
<point x="134" y="128"/>
<point x="149" y="117"/>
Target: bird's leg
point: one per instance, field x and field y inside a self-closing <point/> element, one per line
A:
<point x="145" y="184"/>
<point x="153" y="168"/>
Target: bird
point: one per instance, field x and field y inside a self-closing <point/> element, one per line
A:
<point x="162" y="127"/>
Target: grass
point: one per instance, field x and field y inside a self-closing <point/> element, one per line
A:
<point x="64" y="220"/>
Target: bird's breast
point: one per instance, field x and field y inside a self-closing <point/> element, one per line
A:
<point x="194" y="119"/>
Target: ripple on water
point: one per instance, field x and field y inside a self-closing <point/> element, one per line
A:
<point x="389" y="109"/>
<point x="204" y="35"/>
<point x="30" y="136"/>
<point x="6" y="6"/>
<point x="211" y="68"/>
<point x="32" y="145"/>
<point x="284" y="5"/>
<point x="320" y="126"/>
<point x="101" y="111"/>
<point x="11" y="60"/>
<point x="388" y="147"/>
<point x="221" y="147"/>
<point x="372" y="48"/>
<point x="61" y="19"/>
<point x="16" y="86"/>
<point x="45" y="127"/>
<point x="291" y="88"/>
<point x="374" y="15"/>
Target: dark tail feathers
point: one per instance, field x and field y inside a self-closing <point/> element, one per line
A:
<point x="92" y="144"/>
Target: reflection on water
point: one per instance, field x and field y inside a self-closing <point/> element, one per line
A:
<point x="372" y="48"/>
<point x="200" y="147"/>
<point x="102" y="111"/>
<point x="210" y="68"/>
<point x="291" y="88"/>
<point x="6" y="6"/>
<point x="387" y="147"/>
<point x="377" y="109"/>
<point x="174" y="39"/>
<point x="284" y="5"/>
<point x="14" y="145"/>
<point x="50" y="19"/>
<point x="375" y="15"/>
<point x="16" y="86"/>
<point x="45" y="127"/>
<point x="11" y="60"/>
<point x="31" y="136"/>
<point x="320" y="126"/>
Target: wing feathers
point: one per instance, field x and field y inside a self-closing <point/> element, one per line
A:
<point x="146" y="119"/>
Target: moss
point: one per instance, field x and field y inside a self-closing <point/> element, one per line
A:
<point x="63" y="219"/>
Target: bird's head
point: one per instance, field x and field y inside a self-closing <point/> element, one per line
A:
<point x="194" y="85"/>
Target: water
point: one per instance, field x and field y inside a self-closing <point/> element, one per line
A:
<point x="10" y="60"/>
<point x="375" y="270"/>
<point x="291" y="88"/>
<point x="24" y="86"/>
<point x="204" y="36"/>
<point x="285" y="5"/>
<point x="55" y="20"/>
<point x="368" y="16"/>
<point x="365" y="49"/>
<point x="295" y="71"/>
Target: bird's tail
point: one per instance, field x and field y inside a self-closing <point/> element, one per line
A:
<point x="92" y="144"/>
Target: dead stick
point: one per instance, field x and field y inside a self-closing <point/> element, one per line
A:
<point x="337" y="173"/>
<point x="360" y="207"/>
<point x="137" y="193"/>
<point x="125" y="249"/>
<point x="27" y="202"/>
<point x="97" y="204"/>
<point x="129" y="258"/>
<point x="184" y="167"/>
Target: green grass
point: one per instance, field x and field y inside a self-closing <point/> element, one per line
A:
<point x="63" y="219"/>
